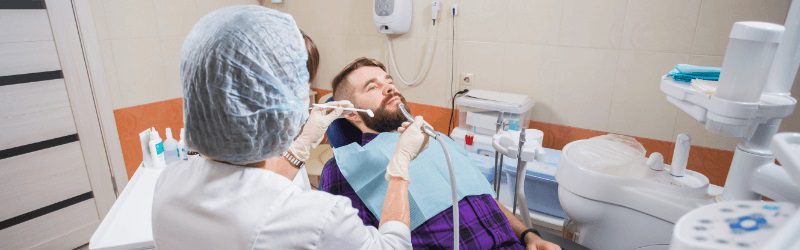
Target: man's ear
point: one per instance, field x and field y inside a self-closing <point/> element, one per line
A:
<point x="353" y="117"/>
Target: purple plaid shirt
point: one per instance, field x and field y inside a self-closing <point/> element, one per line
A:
<point x="483" y="224"/>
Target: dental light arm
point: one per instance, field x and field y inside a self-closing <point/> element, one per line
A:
<point x="432" y="133"/>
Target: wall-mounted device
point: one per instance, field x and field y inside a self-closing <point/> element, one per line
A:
<point x="392" y="16"/>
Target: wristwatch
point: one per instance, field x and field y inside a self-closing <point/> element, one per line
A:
<point x="297" y="163"/>
<point x="529" y="230"/>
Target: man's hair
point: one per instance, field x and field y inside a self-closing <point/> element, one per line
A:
<point x="313" y="57"/>
<point x="341" y="90"/>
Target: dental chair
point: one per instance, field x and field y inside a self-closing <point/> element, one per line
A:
<point x="341" y="132"/>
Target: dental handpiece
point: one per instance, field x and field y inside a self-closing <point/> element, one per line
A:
<point x="425" y="128"/>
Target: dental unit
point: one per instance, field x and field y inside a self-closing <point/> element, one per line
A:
<point x="619" y="199"/>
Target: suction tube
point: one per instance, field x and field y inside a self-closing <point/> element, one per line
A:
<point x="454" y="195"/>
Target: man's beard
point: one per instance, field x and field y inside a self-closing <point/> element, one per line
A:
<point x="385" y="120"/>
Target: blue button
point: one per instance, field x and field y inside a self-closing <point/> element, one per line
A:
<point x="771" y="207"/>
<point x="748" y="223"/>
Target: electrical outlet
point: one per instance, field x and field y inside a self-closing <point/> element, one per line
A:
<point x="466" y="81"/>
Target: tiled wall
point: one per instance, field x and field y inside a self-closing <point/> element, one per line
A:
<point x="141" y="41"/>
<point x="591" y="64"/>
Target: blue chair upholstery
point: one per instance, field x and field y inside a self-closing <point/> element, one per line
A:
<point x="341" y="132"/>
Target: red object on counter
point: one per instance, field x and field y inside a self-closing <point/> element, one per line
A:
<point x="468" y="139"/>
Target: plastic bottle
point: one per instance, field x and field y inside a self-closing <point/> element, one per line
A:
<point x="171" y="152"/>
<point x="183" y="151"/>
<point x="156" y="147"/>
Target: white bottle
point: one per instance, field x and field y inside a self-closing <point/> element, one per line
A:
<point x="170" y="147"/>
<point x="183" y="151"/>
<point x="156" y="147"/>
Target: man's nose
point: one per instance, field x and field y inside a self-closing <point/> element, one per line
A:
<point x="389" y="89"/>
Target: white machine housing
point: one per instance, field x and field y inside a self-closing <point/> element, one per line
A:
<point x="616" y="200"/>
<point x="478" y="111"/>
<point x="392" y="16"/>
<point x="749" y="224"/>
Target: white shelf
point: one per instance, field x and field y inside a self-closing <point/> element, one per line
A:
<point x="737" y="119"/>
<point x="127" y="225"/>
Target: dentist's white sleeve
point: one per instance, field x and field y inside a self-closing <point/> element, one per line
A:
<point x="345" y="230"/>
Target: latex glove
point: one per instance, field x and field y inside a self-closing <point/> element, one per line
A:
<point x="412" y="141"/>
<point x="314" y="130"/>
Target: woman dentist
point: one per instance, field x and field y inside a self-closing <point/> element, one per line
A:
<point x="245" y="98"/>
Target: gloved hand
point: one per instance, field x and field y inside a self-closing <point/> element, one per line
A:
<point x="314" y="130"/>
<point x="412" y="141"/>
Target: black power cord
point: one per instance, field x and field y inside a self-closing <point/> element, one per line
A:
<point x="453" y="110"/>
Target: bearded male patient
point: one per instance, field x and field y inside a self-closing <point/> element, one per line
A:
<point x="353" y="173"/>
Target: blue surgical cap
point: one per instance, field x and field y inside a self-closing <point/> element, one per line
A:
<point x="245" y="82"/>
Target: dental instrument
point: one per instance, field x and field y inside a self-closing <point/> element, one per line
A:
<point x="519" y="187"/>
<point x="428" y="130"/>
<point x="525" y="149"/>
<point x="323" y="106"/>
<point x="498" y="161"/>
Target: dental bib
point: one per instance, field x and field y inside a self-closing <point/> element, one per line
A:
<point x="429" y="188"/>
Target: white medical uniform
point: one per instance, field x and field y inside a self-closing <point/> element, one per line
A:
<point x="301" y="179"/>
<point x="203" y="204"/>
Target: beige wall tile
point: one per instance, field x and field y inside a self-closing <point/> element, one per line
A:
<point x="585" y="80"/>
<point x="435" y="87"/>
<point x="717" y="17"/>
<point x="331" y="59"/>
<point x="484" y="60"/>
<point x="372" y="46"/>
<point x="530" y="70"/>
<point x="660" y="25"/>
<point x="715" y="61"/>
<point x="359" y="19"/>
<point x="130" y="19"/>
<point x="638" y="106"/>
<point x="138" y="68"/>
<point x="206" y="6"/>
<point x="176" y="17"/>
<point x="592" y="23"/>
<point x="110" y="74"/>
<point x="480" y="20"/>
<point x="321" y="17"/>
<point x="170" y="66"/>
<point x="533" y="21"/>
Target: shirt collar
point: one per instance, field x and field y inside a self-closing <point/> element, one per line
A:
<point x="367" y="137"/>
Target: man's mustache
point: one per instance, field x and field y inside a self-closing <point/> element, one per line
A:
<point x="386" y="99"/>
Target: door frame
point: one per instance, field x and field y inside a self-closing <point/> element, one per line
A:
<point x="93" y="58"/>
<point x="89" y="102"/>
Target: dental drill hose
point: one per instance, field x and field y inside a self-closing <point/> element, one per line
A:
<point x="519" y="188"/>
<point x="454" y="195"/>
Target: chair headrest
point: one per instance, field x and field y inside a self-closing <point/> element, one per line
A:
<point x="341" y="132"/>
